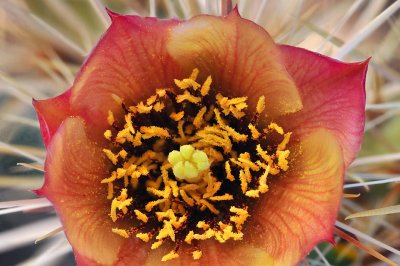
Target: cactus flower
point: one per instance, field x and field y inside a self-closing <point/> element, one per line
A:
<point x="200" y="142"/>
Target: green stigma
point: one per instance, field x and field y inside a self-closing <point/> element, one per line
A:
<point x="188" y="163"/>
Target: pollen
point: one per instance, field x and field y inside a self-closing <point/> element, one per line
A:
<point x="255" y="134"/>
<point x="152" y="204"/>
<point x="282" y="159"/>
<point x="111" y="156"/>
<point x="203" y="225"/>
<point x="228" y="171"/>
<point x="197" y="254"/>
<point x="254" y="193"/>
<point x="170" y="256"/>
<point x="275" y="127"/>
<point x="110" y="118"/>
<point x="199" y="118"/>
<point x="161" y="92"/>
<point x="143" y="236"/>
<point x="186" y="96"/>
<point x="143" y="109"/>
<point x="108" y="134"/>
<point x="177" y="116"/>
<point x="188" y="164"/>
<point x="221" y="198"/>
<point x="260" y="105"/>
<point x="194" y="74"/>
<point x="141" y="216"/>
<point x="153" y="131"/>
<point x="285" y="141"/>
<point x="120" y="232"/>
<point x="156" y="244"/>
<point x="187" y="83"/>
<point x="206" y="86"/>
<point x="158" y="106"/>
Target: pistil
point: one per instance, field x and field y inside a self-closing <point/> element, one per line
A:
<point x="188" y="163"/>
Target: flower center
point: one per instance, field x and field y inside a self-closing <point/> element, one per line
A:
<point x="188" y="165"/>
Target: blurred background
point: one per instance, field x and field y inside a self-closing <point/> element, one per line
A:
<point x="43" y="43"/>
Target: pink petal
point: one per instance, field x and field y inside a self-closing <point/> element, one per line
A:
<point x="241" y="57"/>
<point x="333" y="96"/>
<point x="301" y="207"/>
<point x="73" y="170"/>
<point x="51" y="113"/>
<point x="130" y="61"/>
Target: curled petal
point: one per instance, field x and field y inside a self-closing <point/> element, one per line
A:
<point x="51" y="113"/>
<point x="301" y="207"/>
<point x="333" y="95"/>
<point x="240" y="55"/>
<point x="130" y="61"/>
<point x="73" y="170"/>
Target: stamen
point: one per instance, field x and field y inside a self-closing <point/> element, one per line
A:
<point x="153" y="131"/>
<point x="151" y="100"/>
<point x="228" y="171"/>
<point x="186" y="96"/>
<point x="143" y="109"/>
<point x="141" y="216"/>
<point x="275" y="127"/>
<point x="177" y="116"/>
<point x="186" y="83"/>
<point x="110" y="118"/>
<point x="113" y="158"/>
<point x="197" y="254"/>
<point x="120" y="232"/>
<point x="108" y="134"/>
<point x="143" y="236"/>
<point x="199" y="120"/>
<point x="255" y="134"/>
<point x="187" y="164"/>
<point x="194" y="74"/>
<point x="260" y="105"/>
<point x="158" y="106"/>
<point x="157" y="244"/>
<point x="170" y="256"/>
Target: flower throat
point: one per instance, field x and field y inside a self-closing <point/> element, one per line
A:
<point x="188" y="165"/>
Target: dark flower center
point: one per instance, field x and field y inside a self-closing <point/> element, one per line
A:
<point x="188" y="164"/>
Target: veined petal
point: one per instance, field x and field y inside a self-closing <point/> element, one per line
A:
<point x="73" y="170"/>
<point x="130" y="61"/>
<point x="240" y="55"/>
<point x="301" y="207"/>
<point x="333" y="95"/>
<point x="213" y="253"/>
<point x="51" y="113"/>
<point x="233" y="254"/>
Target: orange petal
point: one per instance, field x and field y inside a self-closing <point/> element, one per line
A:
<point x="214" y="253"/>
<point x="130" y="61"/>
<point x="333" y="96"/>
<point x="73" y="170"/>
<point x="241" y="57"/>
<point x="301" y="207"/>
